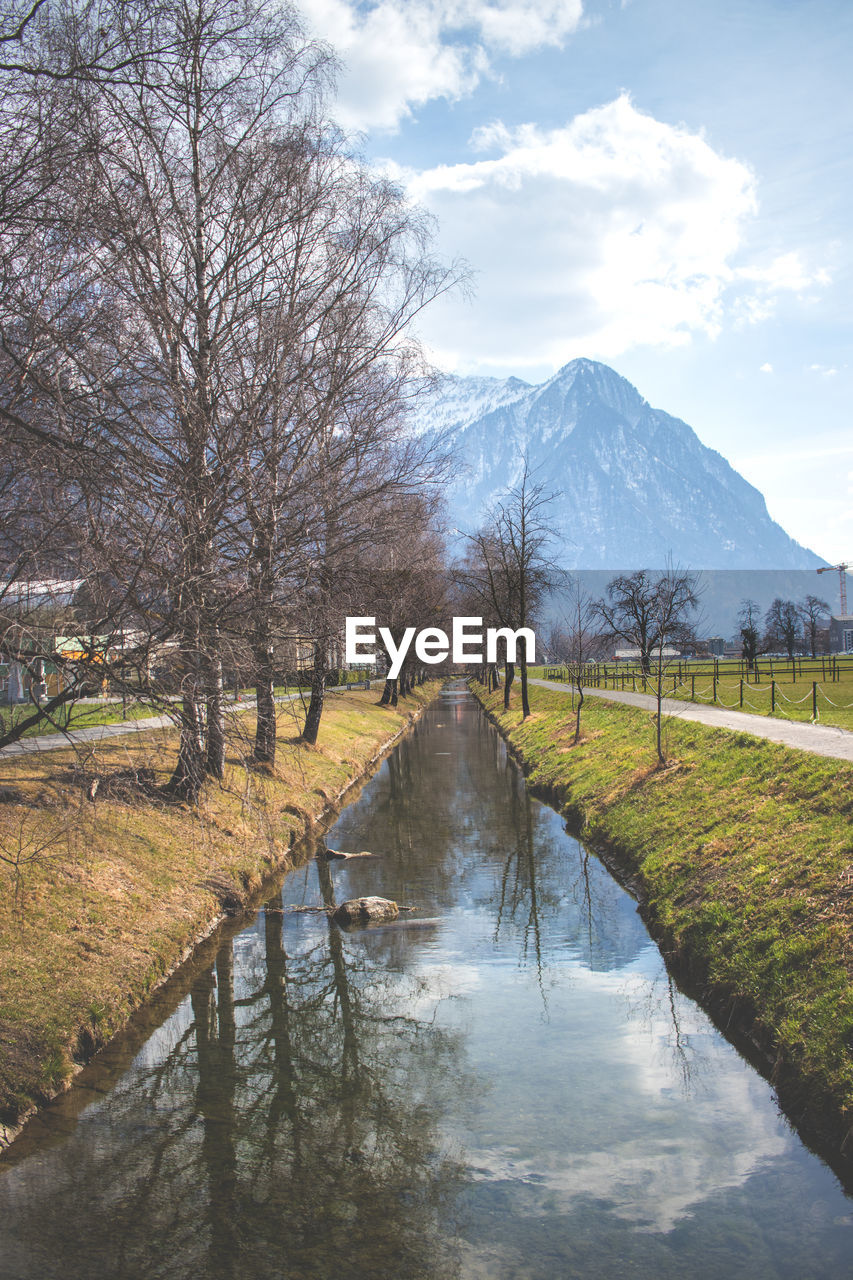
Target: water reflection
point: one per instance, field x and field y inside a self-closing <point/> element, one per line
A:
<point x="289" y="1120"/>
<point x="515" y="1091"/>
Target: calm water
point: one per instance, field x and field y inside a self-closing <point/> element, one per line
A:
<point x="512" y="1089"/>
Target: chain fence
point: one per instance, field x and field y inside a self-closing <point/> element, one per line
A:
<point x="714" y="684"/>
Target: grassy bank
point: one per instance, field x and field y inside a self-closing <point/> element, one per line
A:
<point x="785" y="697"/>
<point x="741" y="852"/>
<point x="100" y="898"/>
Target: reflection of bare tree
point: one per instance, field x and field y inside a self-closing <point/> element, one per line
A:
<point x="288" y="1124"/>
<point x="283" y="1104"/>
<point x="587" y="896"/>
<point x="660" y="1011"/>
<point x="215" y="1036"/>
<point x="518" y="893"/>
<point x="351" y="1152"/>
<point x="680" y="1041"/>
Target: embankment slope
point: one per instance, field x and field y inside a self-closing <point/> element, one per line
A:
<point x="101" y="898"/>
<point x="741" y="854"/>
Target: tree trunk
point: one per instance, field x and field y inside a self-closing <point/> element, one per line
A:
<point x="525" y="698"/>
<point x="578" y="716"/>
<point x="318" y="694"/>
<point x="510" y="676"/>
<point x="215" y="698"/>
<point x="188" y="778"/>
<point x="659" y="692"/>
<point x="265" y="735"/>
<point x="262" y="580"/>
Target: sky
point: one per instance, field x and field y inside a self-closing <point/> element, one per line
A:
<point x="664" y="185"/>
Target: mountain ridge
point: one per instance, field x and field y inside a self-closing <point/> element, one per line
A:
<point x="638" y="486"/>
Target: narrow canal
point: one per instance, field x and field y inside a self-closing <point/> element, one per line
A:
<point x="504" y="1086"/>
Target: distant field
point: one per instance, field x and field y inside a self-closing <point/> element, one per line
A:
<point x="786" y="694"/>
<point x="84" y="715"/>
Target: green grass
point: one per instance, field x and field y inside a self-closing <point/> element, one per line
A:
<point x="743" y="853"/>
<point x="793" y="695"/>
<point x="81" y="716"/>
<point x="88" y="714"/>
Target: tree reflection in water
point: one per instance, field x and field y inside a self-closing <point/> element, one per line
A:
<point x="400" y="1102"/>
<point x="518" y="894"/>
<point x="324" y="1146"/>
<point x="293" y="1129"/>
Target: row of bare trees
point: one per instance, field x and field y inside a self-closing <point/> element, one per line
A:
<point x="508" y="570"/>
<point x="207" y="350"/>
<point x="509" y="573"/>
<point x="788" y="627"/>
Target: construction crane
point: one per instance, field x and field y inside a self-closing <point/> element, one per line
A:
<point x="841" y="570"/>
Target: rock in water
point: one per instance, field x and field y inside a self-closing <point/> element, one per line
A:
<point x="362" y="911"/>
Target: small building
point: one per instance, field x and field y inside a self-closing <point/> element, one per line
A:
<point x="46" y="593"/>
<point x="633" y="655"/>
<point x="841" y="633"/>
<point x="20" y="684"/>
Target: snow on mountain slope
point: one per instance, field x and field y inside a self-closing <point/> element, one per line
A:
<point x="462" y="400"/>
<point x="637" y="486"/>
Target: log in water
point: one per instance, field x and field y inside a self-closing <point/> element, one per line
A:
<point x="515" y="1091"/>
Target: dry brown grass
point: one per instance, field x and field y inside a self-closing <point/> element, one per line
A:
<point x="109" y="894"/>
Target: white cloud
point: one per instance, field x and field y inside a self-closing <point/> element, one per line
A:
<point x="610" y="232"/>
<point x="520" y="26"/>
<point x="786" y="271"/>
<point x="766" y="368"/>
<point x="825" y="370"/>
<point x="399" y="54"/>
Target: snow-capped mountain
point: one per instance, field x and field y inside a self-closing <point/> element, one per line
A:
<point x="637" y="487"/>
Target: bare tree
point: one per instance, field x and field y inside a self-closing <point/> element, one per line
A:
<point x="580" y="643"/>
<point x="651" y="611"/>
<point x="509" y="568"/>
<point x="814" y="614"/>
<point x="647" y="610"/>
<point x="158" y="244"/>
<point x="211" y="322"/>
<point x="749" y="618"/>
<point x="407" y="586"/>
<point x="782" y="627"/>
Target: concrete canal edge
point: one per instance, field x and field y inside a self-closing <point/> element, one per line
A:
<point x="233" y="893"/>
<point x="739" y="854"/>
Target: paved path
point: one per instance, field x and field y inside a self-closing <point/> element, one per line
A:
<point x="99" y="732"/>
<point x="821" y="739"/>
<point x="93" y="733"/>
